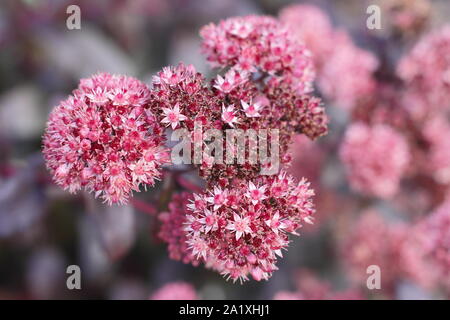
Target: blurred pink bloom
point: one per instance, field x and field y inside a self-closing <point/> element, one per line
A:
<point x="434" y="232"/>
<point x="245" y="104"/>
<point x="347" y="75"/>
<point x="375" y="158"/>
<point x="103" y="138"/>
<point x="344" y="71"/>
<point x="312" y="25"/>
<point x="175" y="291"/>
<point x="373" y="241"/>
<point x="426" y="72"/>
<point x="406" y="16"/>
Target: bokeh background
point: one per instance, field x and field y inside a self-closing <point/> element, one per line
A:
<point x="44" y="229"/>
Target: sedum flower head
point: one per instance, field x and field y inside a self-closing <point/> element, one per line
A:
<point x="259" y="44"/>
<point x="234" y="102"/>
<point x="399" y="256"/>
<point x="375" y="158"/>
<point x="268" y="75"/>
<point x="104" y="138"/>
<point x="344" y="71"/>
<point x="240" y="231"/>
<point x="426" y="72"/>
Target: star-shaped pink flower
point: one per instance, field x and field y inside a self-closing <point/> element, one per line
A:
<point x="173" y="116"/>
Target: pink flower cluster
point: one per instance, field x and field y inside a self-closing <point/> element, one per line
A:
<point x="417" y="110"/>
<point x="244" y="228"/>
<point x="263" y="95"/>
<point x="398" y="133"/>
<point x="392" y="247"/>
<point x="104" y="138"/>
<point x="310" y="24"/>
<point x="182" y="98"/>
<point x="347" y="76"/>
<point x="426" y="73"/>
<point x="261" y="45"/>
<point x="172" y="229"/>
<point x="344" y="71"/>
<point x="175" y="291"/>
<point x="436" y="131"/>
<point x="375" y="158"/>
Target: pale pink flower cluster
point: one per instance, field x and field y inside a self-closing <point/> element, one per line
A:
<point x="244" y="228"/>
<point x="312" y="25"/>
<point x="375" y="158"/>
<point x="417" y="253"/>
<point x="417" y="108"/>
<point x="104" y="138"/>
<point x="258" y="45"/>
<point x="347" y="76"/>
<point x="344" y="71"/>
<point x="175" y="291"/>
<point x="372" y="241"/>
<point x="426" y="72"/>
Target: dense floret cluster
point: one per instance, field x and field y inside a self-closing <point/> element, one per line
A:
<point x="105" y="138"/>
<point x="243" y="229"/>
